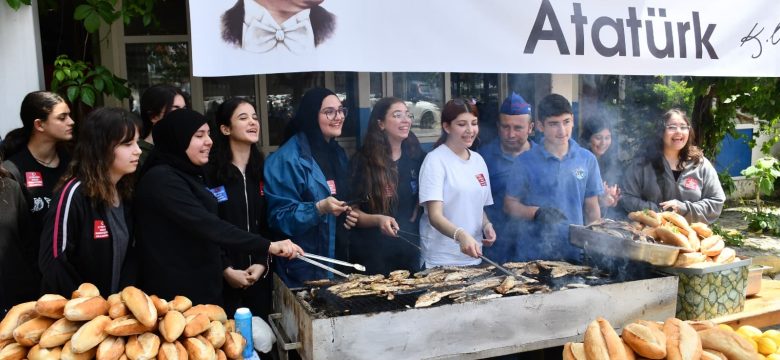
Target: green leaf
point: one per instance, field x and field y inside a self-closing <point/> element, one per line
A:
<point x="15" y="4"/>
<point x="147" y="19"/>
<point x="766" y="186"/>
<point x="82" y="11"/>
<point x="88" y="96"/>
<point x="73" y="93"/>
<point x="98" y="83"/>
<point x="92" y="22"/>
<point x="59" y="74"/>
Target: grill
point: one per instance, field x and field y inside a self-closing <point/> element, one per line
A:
<point x="321" y="325"/>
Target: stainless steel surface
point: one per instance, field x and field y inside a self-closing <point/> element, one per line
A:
<point x="283" y="344"/>
<point x="472" y="330"/>
<point x="601" y="243"/>
<point x="707" y="269"/>
<point x="322" y="266"/>
<point x="335" y="261"/>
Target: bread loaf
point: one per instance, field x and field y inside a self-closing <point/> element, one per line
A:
<point x="126" y="326"/>
<point x="198" y="348"/>
<point x="682" y="342"/>
<point x="51" y="305"/>
<point x="85" y="308"/>
<point x="214" y="312"/>
<point x="688" y="259"/>
<point x="90" y="335"/>
<point x="112" y="348"/>
<point x="172" y="351"/>
<point x="700" y="325"/>
<point x="180" y="304"/>
<point x="196" y="324"/>
<point x="574" y="351"/>
<point x="41" y="353"/>
<point x="708" y="354"/>
<point x="114" y="299"/>
<point x="221" y="355"/>
<point x="230" y="326"/>
<point x="646" y="217"/>
<point x="234" y="345"/>
<point x="216" y="334"/>
<point x="16" y="316"/>
<point x="29" y="333"/>
<point x="172" y="325"/>
<point x="85" y="290"/>
<point x="647" y="341"/>
<point x="729" y="343"/>
<point x="3" y="343"/>
<point x="713" y="245"/>
<point x="140" y="305"/>
<point x="726" y="256"/>
<point x="678" y="220"/>
<point x="672" y="236"/>
<point x="693" y="239"/>
<point x="13" y="351"/>
<point x="160" y="304"/>
<point x="68" y="354"/>
<point x="117" y="311"/>
<point x="602" y="342"/>
<point x="142" y="347"/>
<point x="703" y="230"/>
<point x="59" y="333"/>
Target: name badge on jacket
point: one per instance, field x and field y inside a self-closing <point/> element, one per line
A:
<point x="691" y="184"/>
<point x="481" y="179"/>
<point x="100" y="231"/>
<point x="262" y="188"/>
<point x="33" y="179"/>
<point x="219" y="193"/>
<point x="332" y="186"/>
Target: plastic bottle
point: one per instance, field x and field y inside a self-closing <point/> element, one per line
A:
<point x="243" y="319"/>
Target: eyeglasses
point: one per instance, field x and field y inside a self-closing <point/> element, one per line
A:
<point x="330" y="113"/>
<point x="398" y="115"/>
<point x="676" y="128"/>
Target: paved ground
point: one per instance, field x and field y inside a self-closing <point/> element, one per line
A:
<point x="764" y="249"/>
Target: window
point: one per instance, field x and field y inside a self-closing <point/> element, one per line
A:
<point x="218" y="89"/>
<point x="346" y="85"/>
<point x="171" y="18"/>
<point x="161" y="63"/>
<point x="424" y="96"/>
<point x="284" y="93"/>
<point x="481" y="89"/>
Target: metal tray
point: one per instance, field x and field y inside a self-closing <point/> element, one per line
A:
<point x="604" y="244"/>
<point x="708" y="269"/>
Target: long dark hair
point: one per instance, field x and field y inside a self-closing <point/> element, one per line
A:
<point x="103" y="130"/>
<point x="452" y="109"/>
<point x="380" y="172"/>
<point x="689" y="153"/>
<point x="155" y="100"/>
<point x="222" y="156"/>
<point x="36" y="105"/>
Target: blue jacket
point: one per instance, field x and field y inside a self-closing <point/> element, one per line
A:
<point x="293" y="185"/>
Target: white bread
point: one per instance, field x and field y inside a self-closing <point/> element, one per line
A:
<point x="51" y="305"/>
<point x="708" y="354"/>
<point x="729" y="343"/>
<point x="3" y="343"/>
<point x="85" y="290"/>
<point x="214" y="312"/>
<point x="172" y="351"/>
<point x="230" y="326"/>
<point x="172" y="325"/>
<point x="602" y="342"/>
<point x="68" y="354"/>
<point x="40" y="353"/>
<point x="713" y="245"/>
<point x="13" y="351"/>
<point x="89" y="335"/>
<point x="196" y="324"/>
<point x="85" y="308"/>
<point x="647" y="341"/>
<point x="688" y="259"/>
<point x="646" y="217"/>
<point x="574" y="351"/>
<point x="198" y="348"/>
<point x="59" y="333"/>
<point x="142" y="347"/>
<point x="703" y="230"/>
<point x="180" y="304"/>
<point x="29" y="333"/>
<point x="678" y="220"/>
<point x="682" y="342"/>
<point x="112" y="348"/>
<point x="726" y="256"/>
<point x="671" y="235"/>
<point x="114" y="299"/>
<point x="160" y="304"/>
<point x="216" y="334"/>
<point x="701" y="325"/>
<point x="140" y="305"/>
<point x="126" y="326"/>
<point x="221" y="355"/>
<point x="234" y="345"/>
<point x="15" y="317"/>
<point x="118" y="310"/>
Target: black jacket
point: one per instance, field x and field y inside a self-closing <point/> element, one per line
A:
<point x="77" y="245"/>
<point x="179" y="236"/>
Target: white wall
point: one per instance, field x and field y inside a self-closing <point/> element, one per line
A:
<point x="21" y="68"/>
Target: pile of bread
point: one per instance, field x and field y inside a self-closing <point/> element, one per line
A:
<point x="699" y="247"/>
<point x="128" y="325"/>
<point x="672" y="339"/>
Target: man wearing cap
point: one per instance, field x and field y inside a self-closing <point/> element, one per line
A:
<point x="514" y="126"/>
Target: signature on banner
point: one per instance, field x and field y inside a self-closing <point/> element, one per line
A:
<point x="773" y="39"/>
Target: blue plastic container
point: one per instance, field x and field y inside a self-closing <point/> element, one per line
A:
<point x="243" y="319"/>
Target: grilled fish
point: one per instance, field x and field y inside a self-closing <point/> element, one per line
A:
<point x="561" y="268"/>
<point x="465" y="274"/>
<point x="490" y="282"/>
<point x="474" y="296"/>
<point x="506" y="285"/>
<point x="399" y="275"/>
<point x="433" y="297"/>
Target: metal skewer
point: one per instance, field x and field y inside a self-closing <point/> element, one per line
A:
<point x="322" y="266"/>
<point x="499" y="267"/>
<point x="357" y="267"/>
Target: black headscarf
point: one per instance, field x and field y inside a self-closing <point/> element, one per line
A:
<point x="326" y="154"/>
<point x="172" y="136"/>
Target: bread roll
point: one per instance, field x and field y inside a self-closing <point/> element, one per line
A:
<point x="15" y="317"/>
<point x="68" y="354"/>
<point x="700" y="325"/>
<point x="198" y="348"/>
<point x="40" y="353"/>
<point x="90" y="335"/>
<point x="196" y="324"/>
<point x="3" y="343"/>
<point x="651" y="232"/>
<point x="172" y="325"/>
<point x="160" y="304"/>
<point x="85" y="290"/>
<point x="693" y="239"/>
<point x="140" y="305"/>
<point x="112" y="348"/>
<point x="708" y="354"/>
<point x="682" y="342"/>
<point x="114" y="299"/>
<point x="713" y="245"/>
<point x="678" y="220"/>
<point x="51" y="305"/>
<point x="688" y="259"/>
<point x="672" y="236"/>
<point x="216" y="334"/>
<point x="180" y="304"/>
<point x="142" y="347"/>
<point x="230" y="326"/>
<point x="29" y="333"/>
<point x="13" y="351"/>
<point x="59" y="333"/>
<point x="234" y="345"/>
<point x="729" y="343"/>
<point x="703" y="230"/>
<point x="647" y="341"/>
<point x="574" y="351"/>
<point x="126" y="326"/>
<point x="85" y="308"/>
<point x="602" y="342"/>
<point x="172" y="351"/>
<point x="646" y="217"/>
<point x="221" y="355"/>
<point x="117" y="311"/>
<point x="214" y="312"/>
<point x="726" y="256"/>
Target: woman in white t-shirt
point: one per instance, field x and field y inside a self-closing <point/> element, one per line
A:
<point x="455" y="188"/>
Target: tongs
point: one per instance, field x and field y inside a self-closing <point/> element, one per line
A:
<point x="308" y="258"/>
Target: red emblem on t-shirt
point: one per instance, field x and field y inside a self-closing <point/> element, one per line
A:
<point x="691" y="184"/>
<point x="388" y="191"/>
<point x="481" y="179"/>
<point x="100" y="230"/>
<point x="33" y="179"/>
<point x="332" y="186"/>
<point x="262" y="189"/>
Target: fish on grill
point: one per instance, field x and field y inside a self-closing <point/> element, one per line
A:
<point x="432" y="297"/>
<point x="474" y="296"/>
<point x="506" y="285"/>
<point x="561" y="268"/>
<point x="525" y="289"/>
<point x="620" y="229"/>
<point x="399" y="275"/>
<point x="491" y="282"/>
<point x="466" y="273"/>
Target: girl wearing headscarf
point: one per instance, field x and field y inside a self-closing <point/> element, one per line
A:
<point x="302" y="182"/>
<point x="87" y="234"/>
<point x="179" y="233"/>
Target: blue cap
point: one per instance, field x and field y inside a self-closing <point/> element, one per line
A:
<point x="515" y="105"/>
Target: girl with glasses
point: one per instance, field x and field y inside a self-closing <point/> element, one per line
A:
<point x="304" y="182"/>
<point x="674" y="175"/>
<point x="385" y="176"/>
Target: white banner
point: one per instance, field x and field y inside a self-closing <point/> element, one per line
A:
<point x="632" y="37"/>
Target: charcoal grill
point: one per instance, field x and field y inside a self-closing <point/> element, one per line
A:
<point x="327" y="327"/>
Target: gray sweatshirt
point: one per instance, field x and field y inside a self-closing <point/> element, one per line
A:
<point x="698" y="187"/>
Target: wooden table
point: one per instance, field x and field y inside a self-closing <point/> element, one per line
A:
<point x="761" y="310"/>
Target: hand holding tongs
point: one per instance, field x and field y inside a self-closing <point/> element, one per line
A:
<point x="306" y="258"/>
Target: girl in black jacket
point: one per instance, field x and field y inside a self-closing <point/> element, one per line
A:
<point x="87" y="234"/>
<point x="179" y="233"/>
